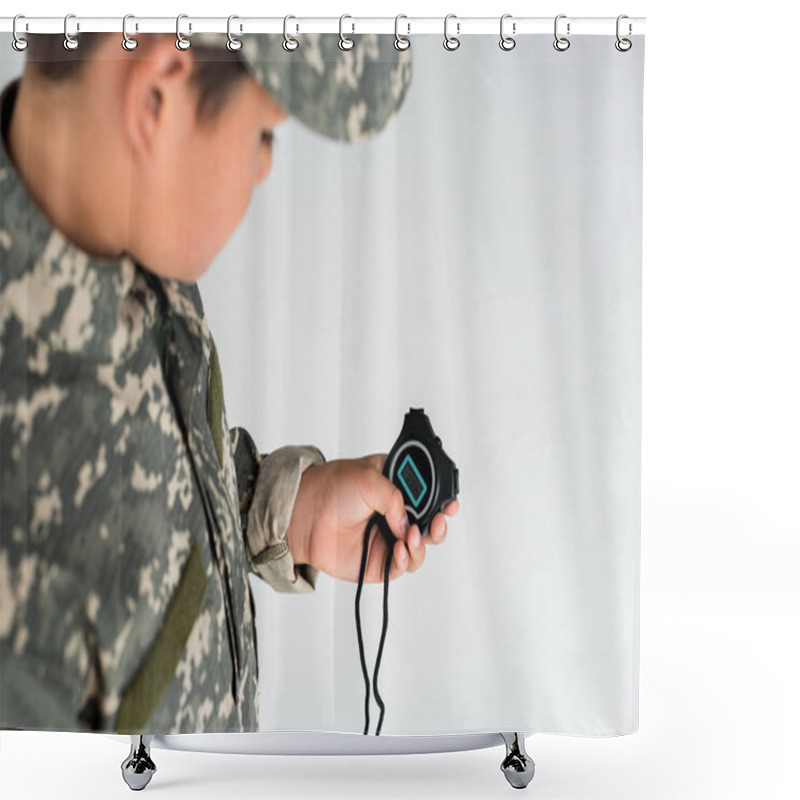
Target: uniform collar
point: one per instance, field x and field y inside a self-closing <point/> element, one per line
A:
<point x="38" y="258"/>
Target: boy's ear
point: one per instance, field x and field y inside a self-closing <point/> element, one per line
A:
<point x="156" y="89"/>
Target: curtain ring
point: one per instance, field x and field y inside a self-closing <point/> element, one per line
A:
<point x="561" y="43"/>
<point x="233" y="44"/>
<point x="623" y="45"/>
<point x="290" y="44"/>
<point x="182" y="43"/>
<point x="344" y="42"/>
<point x="451" y="42"/>
<point x="70" y="42"/>
<point x="507" y="42"/>
<point x="401" y="42"/>
<point x="19" y="43"/>
<point x="128" y="42"/>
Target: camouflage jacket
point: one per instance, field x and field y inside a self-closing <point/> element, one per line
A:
<point x="130" y="514"/>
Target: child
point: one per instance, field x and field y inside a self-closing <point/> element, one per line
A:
<point x="130" y="512"/>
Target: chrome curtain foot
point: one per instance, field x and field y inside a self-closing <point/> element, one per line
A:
<point x="517" y="766"/>
<point x="138" y="767"/>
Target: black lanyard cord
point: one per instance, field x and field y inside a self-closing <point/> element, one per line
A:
<point x="387" y="567"/>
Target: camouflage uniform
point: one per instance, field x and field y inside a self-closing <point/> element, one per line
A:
<point x="129" y="513"/>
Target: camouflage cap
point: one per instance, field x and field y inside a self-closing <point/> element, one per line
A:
<point x="346" y="95"/>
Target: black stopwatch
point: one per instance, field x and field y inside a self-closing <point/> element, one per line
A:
<point x="428" y="479"/>
<point x="424" y="473"/>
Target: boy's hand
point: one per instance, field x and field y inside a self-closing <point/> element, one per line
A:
<point x="334" y="502"/>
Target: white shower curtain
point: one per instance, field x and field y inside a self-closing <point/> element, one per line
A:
<point x="480" y="259"/>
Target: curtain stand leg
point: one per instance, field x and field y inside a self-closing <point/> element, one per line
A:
<point x="138" y="768"/>
<point x="517" y="766"/>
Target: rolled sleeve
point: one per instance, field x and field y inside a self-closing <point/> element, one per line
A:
<point x="268" y="516"/>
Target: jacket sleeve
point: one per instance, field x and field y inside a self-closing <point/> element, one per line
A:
<point x="267" y="485"/>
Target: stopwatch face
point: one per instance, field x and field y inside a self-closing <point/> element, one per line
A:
<point x="413" y="473"/>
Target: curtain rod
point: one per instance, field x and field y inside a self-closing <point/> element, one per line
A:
<point x="459" y="26"/>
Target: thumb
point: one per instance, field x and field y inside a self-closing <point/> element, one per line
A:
<point x="385" y="498"/>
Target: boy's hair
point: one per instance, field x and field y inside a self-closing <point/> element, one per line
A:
<point x="216" y="70"/>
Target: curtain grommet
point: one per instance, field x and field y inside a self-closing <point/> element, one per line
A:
<point x="451" y="42"/>
<point x="128" y="42"/>
<point x="401" y="42"/>
<point x="70" y="42"/>
<point x="561" y="43"/>
<point x="182" y="43"/>
<point x="345" y="43"/>
<point x="19" y="43"/>
<point x="233" y="44"/>
<point x="507" y="42"/>
<point x="290" y="44"/>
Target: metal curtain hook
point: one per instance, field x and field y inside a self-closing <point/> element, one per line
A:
<point x="128" y="42"/>
<point x="182" y="43"/>
<point x="20" y="42"/>
<point x="623" y="45"/>
<point x="70" y="42"/>
<point x="401" y="42"/>
<point x="507" y="42"/>
<point x="233" y="44"/>
<point x="289" y="42"/>
<point x="344" y="42"/>
<point x="451" y="42"/>
<point x="561" y="43"/>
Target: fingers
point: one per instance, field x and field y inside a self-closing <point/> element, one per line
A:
<point x="407" y="557"/>
<point x="438" y="529"/>
<point x="399" y="560"/>
<point x="416" y="548"/>
<point x="385" y="498"/>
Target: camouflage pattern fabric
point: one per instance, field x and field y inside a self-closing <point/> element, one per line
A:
<point x="124" y="598"/>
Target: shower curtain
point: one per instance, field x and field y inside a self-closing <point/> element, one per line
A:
<point x="479" y="258"/>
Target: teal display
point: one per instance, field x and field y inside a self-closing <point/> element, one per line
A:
<point x="412" y="481"/>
